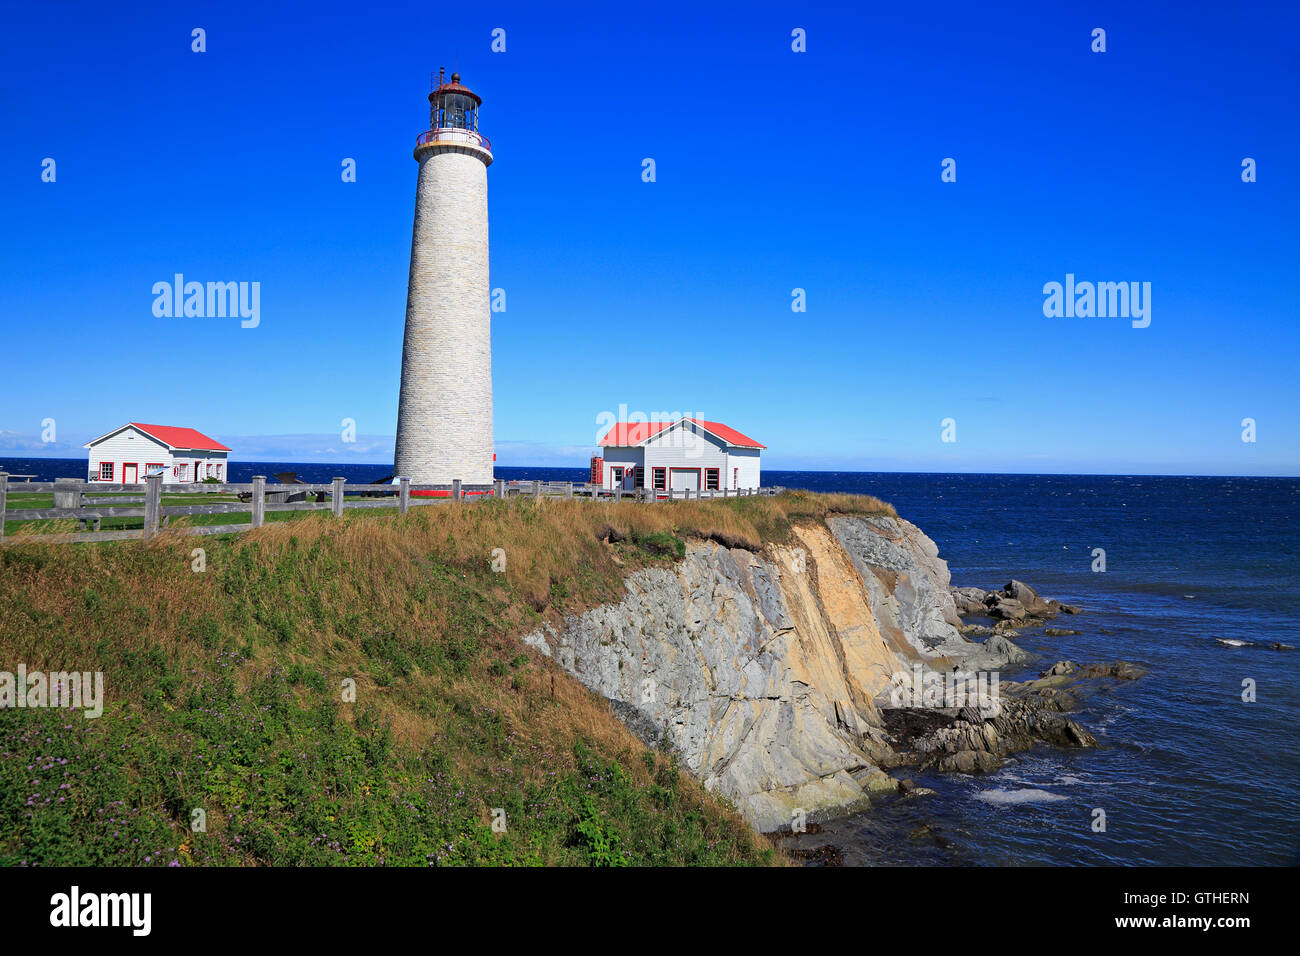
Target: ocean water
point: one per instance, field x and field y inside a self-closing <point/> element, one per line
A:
<point x="1186" y="772"/>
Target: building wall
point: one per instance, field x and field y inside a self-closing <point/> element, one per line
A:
<point x="620" y="458"/>
<point x="747" y="460"/>
<point x="213" y="458"/>
<point x="128" y="445"/>
<point x="444" y="419"/>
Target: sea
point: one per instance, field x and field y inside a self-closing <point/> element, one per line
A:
<point x="1199" y="761"/>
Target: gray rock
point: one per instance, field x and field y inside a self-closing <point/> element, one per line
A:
<point x="1026" y="596"/>
<point x="969" y="600"/>
<point x="906" y="581"/>
<point x="1006" y="609"/>
<point x="1001" y="650"/>
<point x="698" y="657"/>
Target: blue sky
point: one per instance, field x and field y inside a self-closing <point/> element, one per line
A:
<point x="775" y="170"/>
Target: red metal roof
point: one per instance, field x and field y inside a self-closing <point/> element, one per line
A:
<point x="629" y="434"/>
<point x="729" y="435"/>
<point x="454" y="86"/>
<point x="626" y="434"/>
<point x="178" y="437"/>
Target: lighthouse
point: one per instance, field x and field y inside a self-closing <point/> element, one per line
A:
<point x="444" y="412"/>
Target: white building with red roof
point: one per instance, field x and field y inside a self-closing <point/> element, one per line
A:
<point x="688" y="453"/>
<point x="183" y="455"/>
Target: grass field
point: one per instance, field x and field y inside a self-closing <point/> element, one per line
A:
<point x="30" y="500"/>
<point x="224" y="693"/>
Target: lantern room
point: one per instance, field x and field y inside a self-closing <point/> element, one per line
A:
<point x="452" y="106"/>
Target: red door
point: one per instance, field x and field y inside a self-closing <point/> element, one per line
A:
<point x="130" y="472"/>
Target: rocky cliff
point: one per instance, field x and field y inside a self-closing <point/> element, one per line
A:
<point x="767" y="671"/>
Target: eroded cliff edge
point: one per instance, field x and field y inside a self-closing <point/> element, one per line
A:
<point x="766" y="671"/>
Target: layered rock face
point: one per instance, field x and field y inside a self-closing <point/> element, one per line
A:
<point x="767" y="672"/>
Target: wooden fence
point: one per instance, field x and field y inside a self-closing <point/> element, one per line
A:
<point x="73" y="498"/>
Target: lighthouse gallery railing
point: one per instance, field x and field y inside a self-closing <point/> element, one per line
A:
<point x="454" y="135"/>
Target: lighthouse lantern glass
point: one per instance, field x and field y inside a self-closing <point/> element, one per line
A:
<point x="456" y="111"/>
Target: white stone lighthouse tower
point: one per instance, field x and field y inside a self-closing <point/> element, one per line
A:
<point x="444" y="414"/>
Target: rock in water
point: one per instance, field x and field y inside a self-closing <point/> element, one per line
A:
<point x="1027" y="596"/>
<point x="969" y="600"/>
<point x="1006" y="609"/>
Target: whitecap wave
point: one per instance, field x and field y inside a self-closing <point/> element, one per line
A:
<point x="1009" y="797"/>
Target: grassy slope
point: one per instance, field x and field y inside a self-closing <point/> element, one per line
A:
<point x="223" y="693"/>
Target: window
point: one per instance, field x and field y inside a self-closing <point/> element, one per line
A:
<point x="660" y="476"/>
<point x="640" y="477"/>
<point x="616" y="476"/>
<point x="154" y="468"/>
<point x="710" y="479"/>
<point x="183" y="471"/>
<point x="105" y="471"/>
<point x="735" y="478"/>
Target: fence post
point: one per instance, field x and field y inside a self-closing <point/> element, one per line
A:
<point x="455" y="489"/>
<point x="336" y="499"/>
<point x="259" y="500"/>
<point x="4" y="493"/>
<point x="403" y="495"/>
<point x="499" y="488"/>
<point x="568" y="490"/>
<point x="67" y="493"/>
<point x="152" y="505"/>
<point x="537" y="489"/>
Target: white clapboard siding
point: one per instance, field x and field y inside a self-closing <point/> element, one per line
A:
<point x="746" y="461"/>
